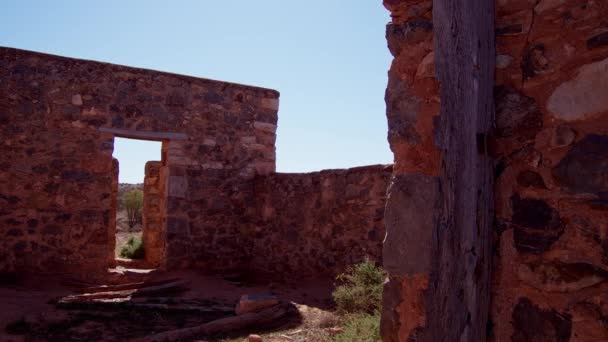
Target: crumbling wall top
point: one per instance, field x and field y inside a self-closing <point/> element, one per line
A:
<point x="9" y="53"/>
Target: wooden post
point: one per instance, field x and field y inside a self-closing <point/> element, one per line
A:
<point x="459" y="297"/>
<point x="439" y="210"/>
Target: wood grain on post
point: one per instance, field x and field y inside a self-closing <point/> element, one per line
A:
<point x="459" y="298"/>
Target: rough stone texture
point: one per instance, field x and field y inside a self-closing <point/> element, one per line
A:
<point x="111" y="248"/>
<point x="536" y="225"/>
<point x="152" y="215"/>
<point x="412" y="105"/>
<point x="318" y="223"/>
<point x="583" y="96"/>
<point x="56" y="165"/>
<point x="214" y="200"/>
<point x="516" y="114"/>
<point x="549" y="274"/>
<point x="584" y="169"/>
<point x="534" y="324"/>
<point x="438" y="217"/>
<point x="407" y="219"/>
<point x="549" y="143"/>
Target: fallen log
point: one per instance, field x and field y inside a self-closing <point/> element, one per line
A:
<point x="103" y="304"/>
<point x="222" y="325"/>
<point x="172" y="287"/>
<point x="177" y="300"/>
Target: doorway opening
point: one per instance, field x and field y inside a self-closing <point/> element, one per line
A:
<point x="136" y="198"/>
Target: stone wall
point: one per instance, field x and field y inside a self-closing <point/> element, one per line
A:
<point x="551" y="149"/>
<point x="550" y="146"/>
<point x="111" y="248"/>
<point x="154" y="233"/>
<point x="412" y="108"/>
<point x="318" y="223"/>
<point x="58" y="118"/>
<point x="213" y="202"/>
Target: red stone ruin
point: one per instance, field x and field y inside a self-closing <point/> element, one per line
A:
<point x="213" y="202"/>
<point x="492" y="224"/>
<point x="496" y="214"/>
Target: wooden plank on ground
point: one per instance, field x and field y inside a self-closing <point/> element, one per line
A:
<point x="223" y="325"/>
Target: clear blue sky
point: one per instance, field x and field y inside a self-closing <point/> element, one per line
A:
<point x="328" y="58"/>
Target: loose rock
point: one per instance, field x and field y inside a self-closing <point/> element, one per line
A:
<point x="254" y="338"/>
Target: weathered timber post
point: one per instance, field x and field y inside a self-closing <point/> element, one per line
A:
<point x="464" y="58"/>
<point x="439" y="217"/>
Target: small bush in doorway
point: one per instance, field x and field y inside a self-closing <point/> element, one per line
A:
<point x="133" y="249"/>
<point x="133" y="201"/>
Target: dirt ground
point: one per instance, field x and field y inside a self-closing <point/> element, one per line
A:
<point x="29" y="313"/>
<point x="124" y="232"/>
<point x="29" y="310"/>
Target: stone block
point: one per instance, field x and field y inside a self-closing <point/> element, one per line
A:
<point x="248" y="140"/>
<point x="409" y="217"/>
<point x="531" y="323"/>
<point x="272" y="104"/>
<point x="256" y="147"/>
<point x="400" y="36"/>
<point x="178" y="186"/>
<point x="178" y="160"/>
<point x="213" y="166"/>
<point x="426" y="69"/>
<point x="264" y="168"/>
<point x="151" y="180"/>
<point x="503" y="61"/>
<point x="563" y="136"/>
<point x="77" y="100"/>
<point x="516" y="114"/>
<point x="264" y="126"/>
<point x="584" y="95"/>
<point x="584" y="168"/>
<point x="209" y="142"/>
<point x="547" y="5"/>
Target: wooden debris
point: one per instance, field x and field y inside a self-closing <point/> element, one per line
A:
<point x="124" y="305"/>
<point x="160" y="303"/>
<point x="120" y="295"/>
<point x="130" y="286"/>
<point x="253" y="303"/>
<point x="295" y="332"/>
<point x="223" y="325"/>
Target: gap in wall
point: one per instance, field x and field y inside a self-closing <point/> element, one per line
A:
<point x="132" y="156"/>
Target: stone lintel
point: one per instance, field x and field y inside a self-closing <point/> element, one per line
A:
<point x="126" y="133"/>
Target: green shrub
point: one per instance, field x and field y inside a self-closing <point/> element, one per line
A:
<point x="133" y="201"/>
<point x="359" y="300"/>
<point x="133" y="249"/>
<point x="360" y="290"/>
<point x="361" y="327"/>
